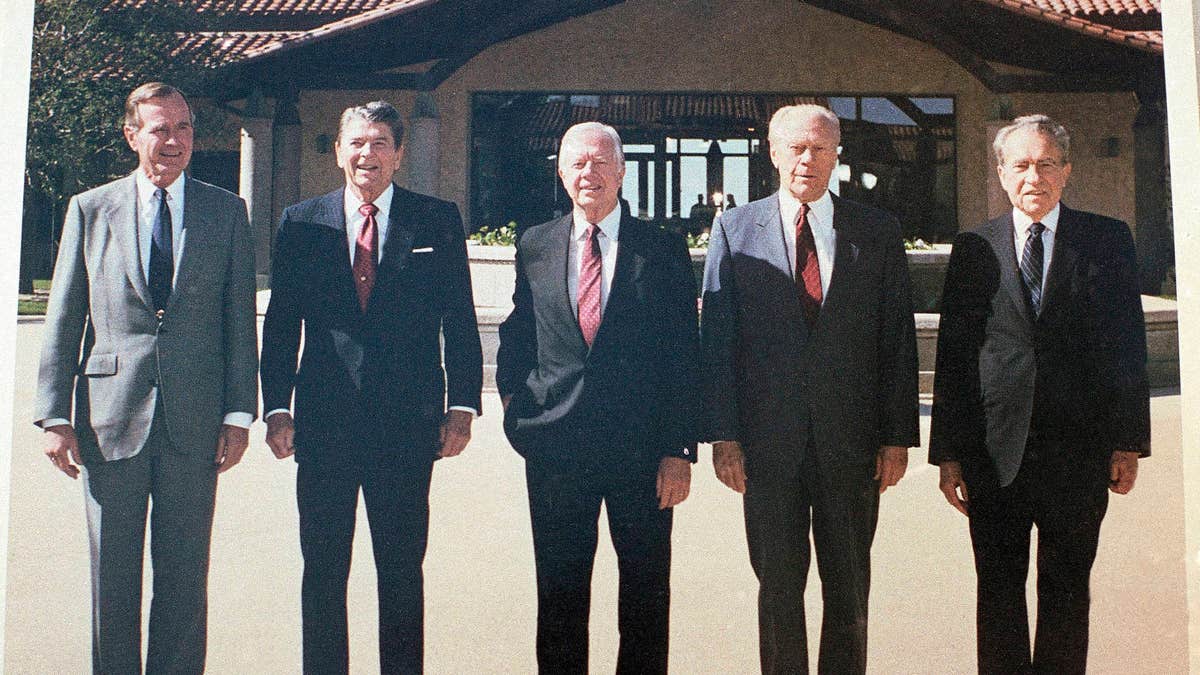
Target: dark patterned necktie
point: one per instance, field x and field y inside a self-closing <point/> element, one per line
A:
<point x="589" y="286"/>
<point x="808" y="268"/>
<point x="162" y="258"/>
<point x="366" y="248"/>
<point x="1031" y="266"/>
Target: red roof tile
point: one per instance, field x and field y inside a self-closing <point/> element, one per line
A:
<point x="290" y="8"/>
<point x="1144" y="40"/>
<point x="1093" y="7"/>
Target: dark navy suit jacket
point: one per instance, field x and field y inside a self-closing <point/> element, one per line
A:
<point x="371" y="381"/>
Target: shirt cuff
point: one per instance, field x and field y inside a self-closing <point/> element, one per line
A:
<point x="275" y="411"/>
<point x="474" y="412"/>
<point x="52" y="422"/>
<point x="238" y="419"/>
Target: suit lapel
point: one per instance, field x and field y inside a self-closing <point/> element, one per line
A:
<point x="1062" y="260"/>
<point x="845" y="254"/>
<point x="774" y="243"/>
<point x="196" y="226"/>
<point x="999" y="233"/>
<point x="401" y="230"/>
<point x="121" y="214"/>
<point x="337" y="256"/>
<point x="630" y="257"/>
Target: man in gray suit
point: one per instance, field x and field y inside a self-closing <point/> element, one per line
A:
<point x="150" y="341"/>
<point x="810" y="387"/>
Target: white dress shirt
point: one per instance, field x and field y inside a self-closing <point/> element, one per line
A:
<point x="147" y="214"/>
<point x="355" y="220"/>
<point x="1021" y="223"/>
<point x="820" y="219"/>
<point x="610" y="228"/>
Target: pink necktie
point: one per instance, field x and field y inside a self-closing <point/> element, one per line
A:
<point x="365" y="248"/>
<point x="808" y="268"/>
<point x="589" y="286"/>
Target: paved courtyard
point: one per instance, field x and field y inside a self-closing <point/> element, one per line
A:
<point x="480" y="599"/>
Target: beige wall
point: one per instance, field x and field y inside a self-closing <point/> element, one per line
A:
<point x="750" y="46"/>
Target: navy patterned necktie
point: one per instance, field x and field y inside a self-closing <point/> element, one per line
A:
<point x="1031" y="266"/>
<point x="162" y="258"/>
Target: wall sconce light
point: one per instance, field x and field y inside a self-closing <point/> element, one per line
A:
<point x="1110" y="147"/>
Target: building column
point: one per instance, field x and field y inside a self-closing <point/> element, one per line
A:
<point x="1152" y="222"/>
<point x="1181" y="28"/>
<point x="285" y="170"/>
<point x="254" y="183"/>
<point x="423" y="147"/>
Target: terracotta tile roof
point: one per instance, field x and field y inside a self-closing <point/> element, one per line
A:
<point x="290" y="8"/>
<point x="226" y="47"/>
<point x="1094" y="7"/>
<point x="1144" y="40"/>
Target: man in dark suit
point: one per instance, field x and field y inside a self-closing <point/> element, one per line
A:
<point x="594" y="372"/>
<point x="374" y="273"/>
<point x="810" y="387"/>
<point x="150" y="339"/>
<point x="1041" y="401"/>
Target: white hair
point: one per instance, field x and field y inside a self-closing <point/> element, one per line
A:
<point x="804" y="111"/>
<point x="584" y="127"/>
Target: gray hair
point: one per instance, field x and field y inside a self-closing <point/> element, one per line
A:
<point x="804" y="110"/>
<point x="375" y="111"/>
<point x="1043" y="125"/>
<point x="600" y="127"/>
<point x="150" y="90"/>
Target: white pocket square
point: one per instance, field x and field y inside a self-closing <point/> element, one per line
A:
<point x="427" y="249"/>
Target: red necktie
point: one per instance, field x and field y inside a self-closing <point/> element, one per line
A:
<point x="589" y="286"/>
<point x="808" y="268"/>
<point x="365" y="249"/>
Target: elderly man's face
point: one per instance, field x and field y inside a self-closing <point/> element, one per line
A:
<point x="804" y="150"/>
<point x="590" y="172"/>
<point x="367" y="153"/>
<point x="1033" y="173"/>
<point x="163" y="142"/>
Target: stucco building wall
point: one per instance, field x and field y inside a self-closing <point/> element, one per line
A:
<point x="748" y="46"/>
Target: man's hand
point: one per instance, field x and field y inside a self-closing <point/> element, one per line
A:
<point x="953" y="487"/>
<point x="674" y="481"/>
<point x="729" y="465"/>
<point x="63" y="448"/>
<point x="280" y="434"/>
<point x="1123" y="469"/>
<point x="890" y="465"/>
<point x="455" y="432"/>
<point x="231" y="445"/>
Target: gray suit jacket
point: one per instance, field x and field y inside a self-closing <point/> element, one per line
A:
<point x="105" y="349"/>
<point x="848" y="384"/>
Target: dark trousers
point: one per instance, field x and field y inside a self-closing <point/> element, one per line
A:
<point x="180" y="492"/>
<point x="564" y="507"/>
<point x="785" y="497"/>
<point x="397" y="498"/>
<point x="1065" y="497"/>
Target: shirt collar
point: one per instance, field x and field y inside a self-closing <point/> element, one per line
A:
<point x="1021" y="221"/>
<point x="820" y="211"/>
<point x="146" y="190"/>
<point x="383" y="202"/>
<point x="610" y="225"/>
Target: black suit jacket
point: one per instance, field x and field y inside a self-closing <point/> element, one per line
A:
<point x="372" y="381"/>
<point x="631" y="397"/>
<point x="850" y="383"/>
<point x="1075" y="375"/>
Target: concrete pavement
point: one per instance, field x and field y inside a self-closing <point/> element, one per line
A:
<point x="480" y="596"/>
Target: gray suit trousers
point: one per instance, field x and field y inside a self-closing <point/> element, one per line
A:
<point x="180" y="491"/>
